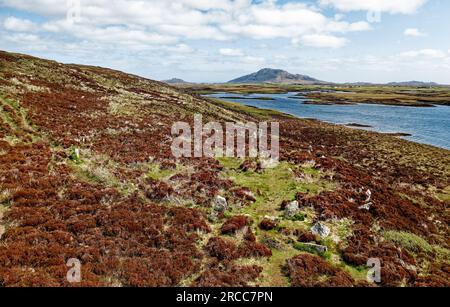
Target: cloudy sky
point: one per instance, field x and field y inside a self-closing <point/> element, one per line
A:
<point x="218" y="40"/>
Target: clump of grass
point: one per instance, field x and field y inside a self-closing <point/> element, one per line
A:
<point x="74" y="156"/>
<point x="156" y="173"/>
<point x="445" y="195"/>
<point x="305" y="248"/>
<point x="299" y="217"/>
<point x="311" y="250"/>
<point x="5" y="197"/>
<point x="92" y="168"/>
<point x="227" y="214"/>
<point x="442" y="252"/>
<point x="273" y="274"/>
<point x="408" y="241"/>
<point x="17" y="119"/>
<point x="230" y="163"/>
<point x="123" y="105"/>
<point x="358" y="273"/>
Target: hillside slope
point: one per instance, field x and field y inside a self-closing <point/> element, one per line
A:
<point x="86" y="172"/>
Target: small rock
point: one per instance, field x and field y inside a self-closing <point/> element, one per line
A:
<point x="365" y="206"/>
<point x="320" y="229"/>
<point x="291" y="209"/>
<point x="369" y="196"/>
<point x="272" y="243"/>
<point x="220" y="204"/>
<point x="268" y="163"/>
<point x="213" y="217"/>
<point x="318" y="248"/>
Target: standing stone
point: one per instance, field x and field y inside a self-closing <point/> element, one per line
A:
<point x="268" y="163"/>
<point x="320" y="229"/>
<point x="220" y="204"/>
<point x="316" y="247"/>
<point x="291" y="209"/>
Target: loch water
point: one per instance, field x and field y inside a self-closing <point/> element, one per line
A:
<point x="425" y="125"/>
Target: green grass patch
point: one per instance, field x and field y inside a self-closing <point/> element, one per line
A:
<point x="19" y="123"/>
<point x="311" y="171"/>
<point x="358" y="273"/>
<point x="441" y="252"/>
<point x="156" y="173"/>
<point x="74" y="156"/>
<point x="230" y="163"/>
<point x="444" y="196"/>
<point x="273" y="275"/>
<point x="7" y="119"/>
<point x="272" y="186"/>
<point x="299" y="217"/>
<point x="408" y="241"/>
<point x="311" y="250"/>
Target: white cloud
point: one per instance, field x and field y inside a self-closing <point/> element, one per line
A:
<point x="320" y="41"/>
<point x="424" y="53"/>
<point x="241" y="56"/>
<point x="19" y="25"/>
<point x="181" y="48"/>
<point x="231" y="52"/>
<point x="155" y="21"/>
<point x="23" y="38"/>
<point x="141" y="36"/>
<point x="389" y="6"/>
<point x="414" y="32"/>
<point x="254" y="60"/>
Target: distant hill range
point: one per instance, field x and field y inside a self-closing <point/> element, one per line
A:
<point x="399" y="84"/>
<point x="175" y="81"/>
<point x="268" y="75"/>
<point x="278" y="76"/>
<point x="414" y="84"/>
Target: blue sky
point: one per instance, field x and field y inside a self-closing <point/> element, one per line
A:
<point x="218" y="40"/>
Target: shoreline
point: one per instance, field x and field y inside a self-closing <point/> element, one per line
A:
<point x="353" y="126"/>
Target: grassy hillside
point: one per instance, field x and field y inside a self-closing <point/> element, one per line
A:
<point x="86" y="172"/>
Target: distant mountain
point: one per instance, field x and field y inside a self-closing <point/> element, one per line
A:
<point x="360" y="84"/>
<point x="268" y="75"/>
<point x="414" y="84"/>
<point x="402" y="84"/>
<point x="175" y="81"/>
